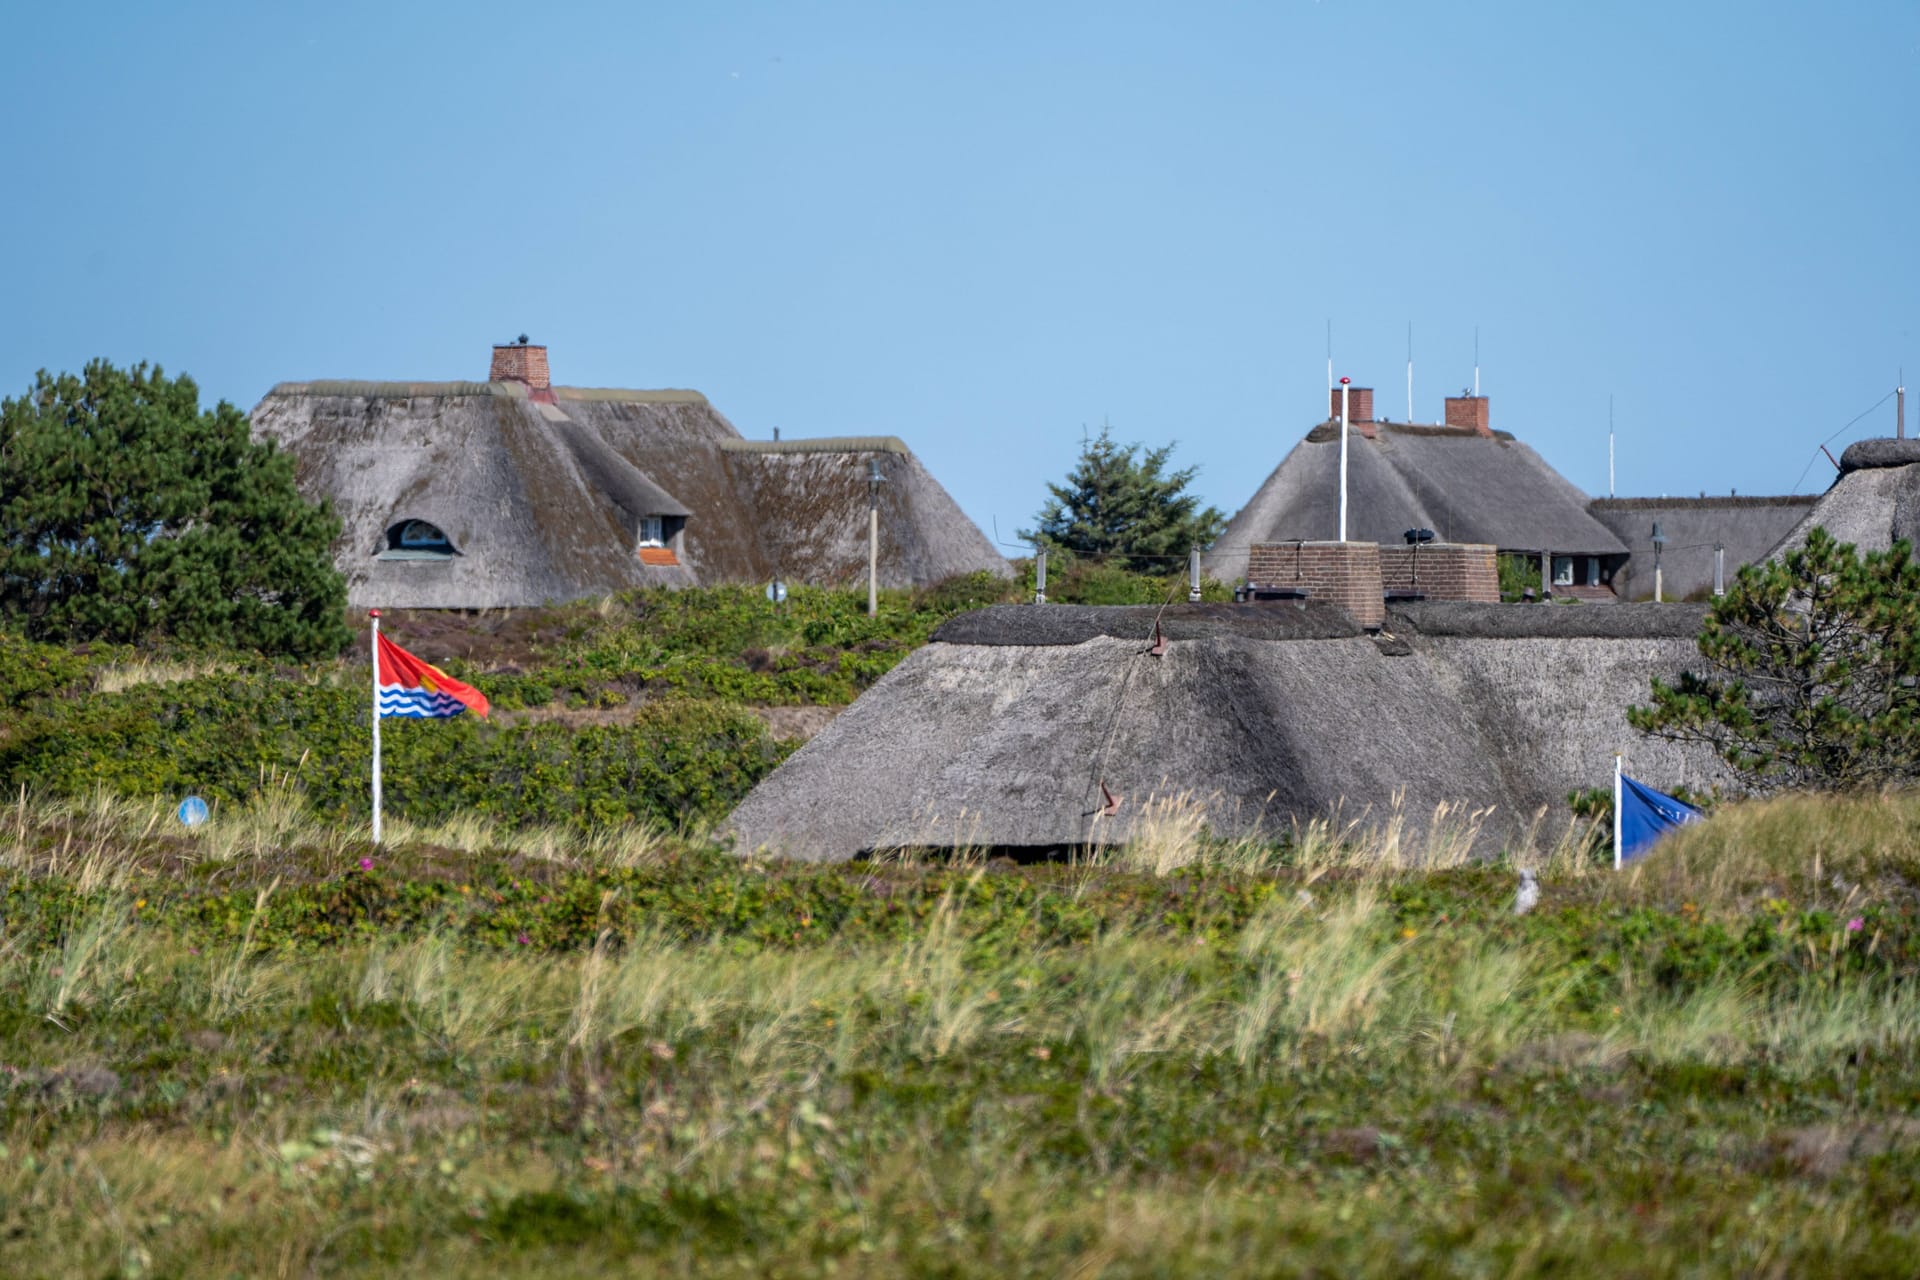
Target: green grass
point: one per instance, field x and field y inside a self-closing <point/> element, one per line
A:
<point x="515" y="1051"/>
<point x="550" y="1029"/>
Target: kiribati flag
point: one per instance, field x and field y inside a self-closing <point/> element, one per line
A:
<point x="419" y="690"/>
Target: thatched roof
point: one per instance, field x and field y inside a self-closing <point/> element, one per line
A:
<point x="544" y="497"/>
<point x="1464" y="486"/>
<point x="1874" y="501"/>
<point x="1748" y="528"/>
<point x="1001" y="744"/>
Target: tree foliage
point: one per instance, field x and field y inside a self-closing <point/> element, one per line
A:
<point x="1121" y="503"/>
<point x="1814" y="678"/>
<point x="129" y="514"/>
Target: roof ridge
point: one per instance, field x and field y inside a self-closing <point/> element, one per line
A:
<point x="819" y="444"/>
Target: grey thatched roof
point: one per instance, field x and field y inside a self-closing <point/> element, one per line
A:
<point x="1024" y="624"/>
<point x="1464" y="486"/>
<point x="1874" y="502"/>
<point x="537" y="509"/>
<point x="544" y="496"/>
<point x="1862" y="455"/>
<point x="1006" y="745"/>
<point x="1464" y="619"/>
<point x="1748" y="528"/>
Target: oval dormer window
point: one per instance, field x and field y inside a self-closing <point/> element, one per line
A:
<point x="417" y="540"/>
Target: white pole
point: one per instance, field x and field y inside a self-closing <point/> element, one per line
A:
<point x="375" y="644"/>
<point x="1409" y="371"/>
<point x="1343" y="459"/>
<point x="873" y="557"/>
<point x="1617" y="824"/>
<point x="1609" y="446"/>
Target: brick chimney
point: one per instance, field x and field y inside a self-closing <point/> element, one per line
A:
<point x="521" y="362"/>
<point x="1359" y="404"/>
<point x="1469" y="412"/>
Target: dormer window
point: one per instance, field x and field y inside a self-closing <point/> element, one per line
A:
<point x="654" y="546"/>
<point x="417" y="540"/>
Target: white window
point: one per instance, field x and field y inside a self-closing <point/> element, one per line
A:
<point x="1563" y="571"/>
<point x="652" y="531"/>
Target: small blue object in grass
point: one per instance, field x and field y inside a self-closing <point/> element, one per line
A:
<point x="777" y="591"/>
<point x="192" y="811"/>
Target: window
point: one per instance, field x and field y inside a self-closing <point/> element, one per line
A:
<point x="1593" y="571"/>
<point x="1563" y="571"/>
<point x="416" y="540"/>
<point x="653" y="531"/>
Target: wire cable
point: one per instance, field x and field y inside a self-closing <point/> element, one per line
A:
<point x="1836" y="435"/>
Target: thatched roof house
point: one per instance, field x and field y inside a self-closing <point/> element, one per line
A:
<point x="1462" y="480"/>
<point x="1874" y="501"/>
<point x="1002" y="731"/>
<point x="516" y="492"/>
<point x="1747" y="529"/>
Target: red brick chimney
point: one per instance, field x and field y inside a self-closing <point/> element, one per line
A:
<point x="520" y="362"/>
<point x="1469" y="412"/>
<point x="1359" y="404"/>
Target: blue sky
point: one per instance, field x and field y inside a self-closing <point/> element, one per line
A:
<point x="983" y="228"/>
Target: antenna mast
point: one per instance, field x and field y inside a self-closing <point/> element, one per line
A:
<point x="1409" y="371"/>
<point x="1609" y="445"/>
<point x="1476" y="360"/>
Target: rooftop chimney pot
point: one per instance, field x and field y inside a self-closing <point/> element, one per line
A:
<point x="520" y="362"/>
<point x="1359" y="408"/>
<point x="1469" y="412"/>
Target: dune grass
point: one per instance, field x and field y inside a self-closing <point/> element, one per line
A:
<point x="266" y="1048"/>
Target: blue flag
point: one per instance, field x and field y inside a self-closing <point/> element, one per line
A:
<point x="1646" y="815"/>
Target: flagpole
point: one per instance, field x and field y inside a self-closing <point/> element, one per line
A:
<point x="374" y="644"/>
<point x="1617" y="824"/>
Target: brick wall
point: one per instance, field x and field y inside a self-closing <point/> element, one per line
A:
<point x="1346" y="573"/>
<point x="1446" y="571"/>
<point x="521" y="364"/>
<point x="1359" y="404"/>
<point x="1468" y="411"/>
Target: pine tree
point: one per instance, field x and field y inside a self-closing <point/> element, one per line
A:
<point x="128" y="514"/>
<point x="1120" y="503"/>
<point x="1814" y="678"/>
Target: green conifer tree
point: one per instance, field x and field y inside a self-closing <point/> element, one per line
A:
<point x="1121" y="504"/>
<point x="129" y="514"/>
<point x="1813" y="677"/>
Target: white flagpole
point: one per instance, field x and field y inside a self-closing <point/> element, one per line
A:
<point x="1343" y="459"/>
<point x="375" y="644"/>
<point x="1617" y="823"/>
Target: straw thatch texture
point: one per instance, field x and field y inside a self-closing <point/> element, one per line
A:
<point x="537" y="509"/>
<point x="545" y="498"/>
<point x="1874" y="502"/>
<point x="1547" y="621"/>
<point x="812" y="506"/>
<point x="1749" y="528"/>
<point x="1464" y="486"/>
<point x="1005" y="745"/>
<point x="1019" y="624"/>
